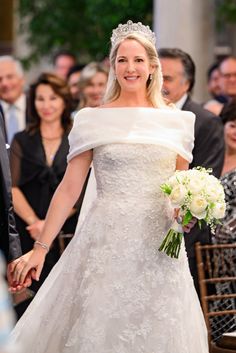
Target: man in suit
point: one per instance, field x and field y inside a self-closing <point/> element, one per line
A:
<point x="12" y="96"/>
<point x="9" y="237"/>
<point x="179" y="76"/>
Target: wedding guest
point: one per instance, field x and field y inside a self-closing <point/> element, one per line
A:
<point x="63" y="61"/>
<point x="226" y="231"/>
<point x="215" y="104"/>
<point x="178" y="71"/>
<point x="92" y="85"/>
<point x="213" y="81"/>
<point x="12" y="95"/>
<point x="228" y="176"/>
<point x="38" y="163"/>
<point x="9" y="237"/>
<point x="10" y="245"/>
<point x="73" y="83"/>
<point x="227" y="69"/>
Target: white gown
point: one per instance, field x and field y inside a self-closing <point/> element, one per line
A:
<point x="112" y="291"/>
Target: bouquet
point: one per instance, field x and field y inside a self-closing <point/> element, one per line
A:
<point x="195" y="193"/>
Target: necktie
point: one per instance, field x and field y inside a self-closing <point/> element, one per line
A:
<point x="13" y="125"/>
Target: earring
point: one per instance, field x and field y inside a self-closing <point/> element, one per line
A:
<point x="150" y="77"/>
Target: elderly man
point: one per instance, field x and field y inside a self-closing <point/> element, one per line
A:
<point x="12" y="95"/>
<point x="179" y="77"/>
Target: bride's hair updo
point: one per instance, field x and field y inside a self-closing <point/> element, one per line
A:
<point x="154" y="85"/>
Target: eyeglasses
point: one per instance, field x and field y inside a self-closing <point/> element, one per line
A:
<point x="229" y="75"/>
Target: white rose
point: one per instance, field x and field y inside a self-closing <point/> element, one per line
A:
<point x="173" y="181"/>
<point x="218" y="211"/>
<point x="181" y="176"/>
<point x="198" y="207"/>
<point x="178" y="194"/>
<point x="196" y="185"/>
<point x="193" y="173"/>
<point x="214" y="193"/>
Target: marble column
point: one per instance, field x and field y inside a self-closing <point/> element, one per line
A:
<point x="188" y="25"/>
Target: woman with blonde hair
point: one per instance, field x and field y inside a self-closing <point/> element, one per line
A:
<point x="121" y="294"/>
<point x="92" y="85"/>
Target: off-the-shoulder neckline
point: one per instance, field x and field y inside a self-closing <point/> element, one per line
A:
<point x="130" y="108"/>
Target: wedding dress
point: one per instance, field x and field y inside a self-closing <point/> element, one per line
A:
<point x="112" y="291"/>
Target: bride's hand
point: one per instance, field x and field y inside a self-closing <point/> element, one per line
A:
<point x="32" y="265"/>
<point x="186" y="228"/>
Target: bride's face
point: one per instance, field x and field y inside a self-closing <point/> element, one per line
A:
<point x="132" y="66"/>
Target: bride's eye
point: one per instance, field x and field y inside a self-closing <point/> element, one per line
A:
<point x="121" y="60"/>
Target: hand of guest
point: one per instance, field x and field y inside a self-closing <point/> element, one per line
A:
<point x="13" y="286"/>
<point x="187" y="228"/>
<point x="29" y="267"/>
<point x="36" y="228"/>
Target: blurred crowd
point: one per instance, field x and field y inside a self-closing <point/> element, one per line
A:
<point x="38" y="119"/>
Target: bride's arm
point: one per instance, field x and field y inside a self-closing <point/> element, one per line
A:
<point x="62" y="202"/>
<point x="181" y="163"/>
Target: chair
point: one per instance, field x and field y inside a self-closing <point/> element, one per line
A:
<point x="64" y="240"/>
<point x="216" y="266"/>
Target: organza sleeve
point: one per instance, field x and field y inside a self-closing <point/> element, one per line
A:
<point x="15" y="162"/>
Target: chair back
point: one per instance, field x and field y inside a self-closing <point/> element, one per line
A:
<point x="216" y="264"/>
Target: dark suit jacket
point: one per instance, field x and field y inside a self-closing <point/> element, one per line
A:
<point x="208" y="152"/>
<point x="9" y="237"/>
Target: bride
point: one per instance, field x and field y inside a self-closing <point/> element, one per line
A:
<point x="112" y="291"/>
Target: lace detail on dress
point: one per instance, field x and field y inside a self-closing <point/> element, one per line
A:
<point x="113" y="291"/>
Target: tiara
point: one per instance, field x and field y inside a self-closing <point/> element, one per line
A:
<point x="123" y="30"/>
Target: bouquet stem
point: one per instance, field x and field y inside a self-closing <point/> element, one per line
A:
<point x="171" y="244"/>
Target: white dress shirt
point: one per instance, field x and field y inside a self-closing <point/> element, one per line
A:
<point x="180" y="103"/>
<point x="20" y="109"/>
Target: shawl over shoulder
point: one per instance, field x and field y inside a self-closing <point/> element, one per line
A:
<point x="171" y="128"/>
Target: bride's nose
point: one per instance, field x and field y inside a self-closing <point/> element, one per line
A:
<point x="130" y="67"/>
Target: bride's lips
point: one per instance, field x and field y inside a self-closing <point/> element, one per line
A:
<point x="131" y="78"/>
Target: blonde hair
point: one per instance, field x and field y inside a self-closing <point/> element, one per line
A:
<point x="154" y="85"/>
<point x="88" y="72"/>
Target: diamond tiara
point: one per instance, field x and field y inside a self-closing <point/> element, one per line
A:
<point x="123" y="30"/>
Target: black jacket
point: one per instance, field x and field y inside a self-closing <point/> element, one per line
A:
<point x="208" y="152"/>
<point x="9" y="237"/>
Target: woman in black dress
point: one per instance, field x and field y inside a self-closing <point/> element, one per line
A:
<point x="38" y="163"/>
<point x="226" y="231"/>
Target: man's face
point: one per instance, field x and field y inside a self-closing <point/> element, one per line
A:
<point x="228" y="77"/>
<point x="73" y="82"/>
<point x="63" y="64"/>
<point x="11" y="82"/>
<point x="214" y="83"/>
<point x="175" y="84"/>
